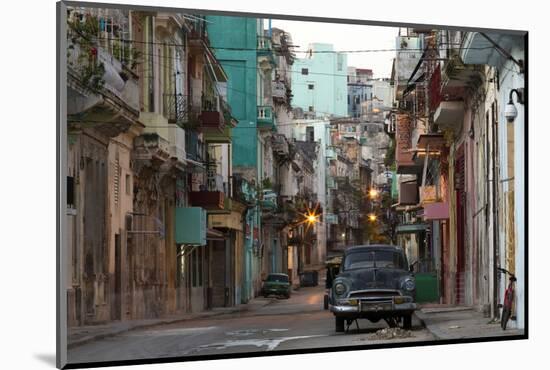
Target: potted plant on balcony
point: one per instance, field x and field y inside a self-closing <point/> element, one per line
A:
<point x="82" y="33"/>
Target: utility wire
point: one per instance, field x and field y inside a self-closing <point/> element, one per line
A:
<point x="309" y="51"/>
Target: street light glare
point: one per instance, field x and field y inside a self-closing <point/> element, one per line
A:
<point x="372" y="217"/>
<point x="373" y="193"/>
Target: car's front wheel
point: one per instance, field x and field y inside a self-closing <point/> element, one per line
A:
<point x="339" y="324"/>
<point x="407" y="321"/>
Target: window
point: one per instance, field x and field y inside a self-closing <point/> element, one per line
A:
<point x="128" y="185"/>
<point x="305" y="71"/>
<point x="311" y="108"/>
<point x="310" y="86"/>
<point x="378" y="258"/>
<point x="340" y="61"/>
<point x="277" y="278"/>
<point x="310" y="134"/>
<point x="70" y="192"/>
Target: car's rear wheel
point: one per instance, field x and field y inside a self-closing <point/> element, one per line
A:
<point x="407" y="321"/>
<point x="339" y="324"/>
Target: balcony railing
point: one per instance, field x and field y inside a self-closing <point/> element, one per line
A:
<point x="212" y="115"/>
<point x="215" y="183"/>
<point x="265" y="117"/>
<point x="198" y="29"/>
<point x="280" y="145"/>
<point x="269" y="200"/>
<point x="264" y="44"/>
<point x="177" y="109"/>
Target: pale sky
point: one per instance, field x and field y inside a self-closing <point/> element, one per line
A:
<point x="346" y="37"/>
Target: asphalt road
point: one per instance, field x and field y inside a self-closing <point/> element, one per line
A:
<point x="299" y="322"/>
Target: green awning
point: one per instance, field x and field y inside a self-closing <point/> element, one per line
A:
<point x="410" y="229"/>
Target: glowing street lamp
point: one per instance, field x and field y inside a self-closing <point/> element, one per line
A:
<point x="372" y="217"/>
<point x="373" y="193"/>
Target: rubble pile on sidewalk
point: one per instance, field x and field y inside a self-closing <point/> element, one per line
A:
<point x="391" y="333"/>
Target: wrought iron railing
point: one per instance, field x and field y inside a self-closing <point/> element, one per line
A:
<point x="210" y="103"/>
<point x="198" y="28"/>
<point x="177" y="108"/>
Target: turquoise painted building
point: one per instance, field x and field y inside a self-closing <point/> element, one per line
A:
<point x="235" y="43"/>
<point x="319" y="81"/>
<point x="234" y="40"/>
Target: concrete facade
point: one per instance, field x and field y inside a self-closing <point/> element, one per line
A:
<point x="320" y="82"/>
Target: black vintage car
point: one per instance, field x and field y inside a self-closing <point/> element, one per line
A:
<point x="375" y="282"/>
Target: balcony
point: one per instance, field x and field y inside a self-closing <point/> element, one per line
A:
<point x="177" y="110"/>
<point x="429" y="194"/>
<point x="264" y="45"/>
<point x="151" y="147"/>
<point x="476" y="49"/>
<point x="101" y="91"/>
<point x="458" y="78"/>
<point x="197" y="36"/>
<point x="218" y="137"/>
<point x="280" y="145"/>
<point x="209" y="200"/>
<point x="265" y="118"/>
<point x="190" y="225"/>
<point x="449" y="114"/>
<point x="409" y="52"/>
<point x="403" y="146"/>
<point x="269" y="200"/>
<point x="212" y="116"/>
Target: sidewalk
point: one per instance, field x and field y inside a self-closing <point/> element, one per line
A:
<point x="83" y="334"/>
<point x="448" y="322"/>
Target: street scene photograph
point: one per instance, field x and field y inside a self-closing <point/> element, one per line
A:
<point x="240" y="185"/>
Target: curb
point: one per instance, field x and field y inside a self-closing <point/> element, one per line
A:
<point x="207" y="314"/>
<point x="425" y="326"/>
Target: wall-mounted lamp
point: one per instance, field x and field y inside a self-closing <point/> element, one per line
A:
<point x="510" y="112"/>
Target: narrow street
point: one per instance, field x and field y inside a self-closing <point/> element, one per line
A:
<point x="299" y="322"/>
<point x="245" y="157"/>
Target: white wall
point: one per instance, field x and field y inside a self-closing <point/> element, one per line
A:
<point x="512" y="79"/>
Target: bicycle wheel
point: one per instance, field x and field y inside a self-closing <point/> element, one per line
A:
<point x="505" y="317"/>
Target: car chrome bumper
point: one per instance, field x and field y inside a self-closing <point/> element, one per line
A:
<point x="373" y="307"/>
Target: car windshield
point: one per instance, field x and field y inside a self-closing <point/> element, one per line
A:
<point x="278" y="278"/>
<point x="376" y="258"/>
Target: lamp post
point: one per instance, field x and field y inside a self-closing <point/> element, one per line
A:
<point x="511" y="112"/>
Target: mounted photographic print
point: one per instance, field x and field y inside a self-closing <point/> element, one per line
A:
<point x="235" y="185"/>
